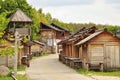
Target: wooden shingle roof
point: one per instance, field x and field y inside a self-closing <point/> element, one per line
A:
<point x="89" y="37"/>
<point x="20" y="16"/>
<point x="57" y="26"/>
<point x="81" y="33"/>
<point x="49" y="26"/>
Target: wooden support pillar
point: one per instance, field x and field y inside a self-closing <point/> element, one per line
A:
<point x="87" y="66"/>
<point x="73" y="53"/>
<point x="101" y="67"/>
<point x="29" y="49"/>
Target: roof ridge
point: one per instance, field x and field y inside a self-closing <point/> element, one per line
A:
<point x="19" y="16"/>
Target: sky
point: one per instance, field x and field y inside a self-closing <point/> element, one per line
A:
<point x="81" y="11"/>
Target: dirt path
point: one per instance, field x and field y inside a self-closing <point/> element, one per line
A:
<point x="49" y="68"/>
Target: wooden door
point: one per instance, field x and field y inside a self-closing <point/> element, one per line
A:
<point x="96" y="55"/>
<point x="112" y="57"/>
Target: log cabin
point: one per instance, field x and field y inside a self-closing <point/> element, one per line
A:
<point x="63" y="34"/>
<point x="69" y="51"/>
<point x="100" y="50"/>
<point x="38" y="47"/>
<point x="56" y="31"/>
<point x="52" y="34"/>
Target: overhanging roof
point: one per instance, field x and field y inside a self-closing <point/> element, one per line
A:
<point x="50" y="26"/>
<point x="20" y="16"/>
<point x="65" y="29"/>
<point x="89" y="38"/>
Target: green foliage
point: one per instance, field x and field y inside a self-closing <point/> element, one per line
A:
<point x="25" y="39"/>
<point x="112" y="29"/>
<point x="3" y="21"/>
<point x="2" y="42"/>
<point x="7" y="51"/>
<point x="19" y="77"/>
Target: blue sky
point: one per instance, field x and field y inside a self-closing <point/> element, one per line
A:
<point x="81" y="11"/>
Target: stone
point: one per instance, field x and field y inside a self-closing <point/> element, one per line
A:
<point x="4" y="70"/>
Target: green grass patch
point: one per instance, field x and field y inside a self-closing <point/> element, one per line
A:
<point x="105" y="73"/>
<point x="19" y="68"/>
<point x="5" y="78"/>
<point x="19" y="77"/>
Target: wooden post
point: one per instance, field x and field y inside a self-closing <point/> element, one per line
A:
<point x="87" y="66"/>
<point x="73" y="53"/>
<point x="7" y="60"/>
<point x="101" y="67"/>
<point x="16" y="54"/>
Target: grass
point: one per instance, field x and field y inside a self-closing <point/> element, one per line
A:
<point x="105" y="73"/>
<point x="19" y="77"/>
<point x="19" y="68"/>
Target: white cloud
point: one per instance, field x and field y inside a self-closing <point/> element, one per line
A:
<point x="98" y="11"/>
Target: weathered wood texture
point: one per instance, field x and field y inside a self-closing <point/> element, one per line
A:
<point x="104" y="48"/>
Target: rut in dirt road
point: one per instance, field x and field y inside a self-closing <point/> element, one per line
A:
<point x="49" y="68"/>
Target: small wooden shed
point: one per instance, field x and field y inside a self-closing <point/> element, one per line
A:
<point x="100" y="50"/>
<point x="38" y="47"/>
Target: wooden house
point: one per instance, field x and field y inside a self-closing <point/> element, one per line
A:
<point x="7" y="60"/>
<point x="52" y="34"/>
<point x="69" y="51"/>
<point x="100" y="50"/>
<point x="64" y="32"/>
<point x="68" y="45"/>
<point x="53" y="30"/>
<point x="38" y="47"/>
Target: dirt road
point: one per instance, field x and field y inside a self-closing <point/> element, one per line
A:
<point x="49" y="68"/>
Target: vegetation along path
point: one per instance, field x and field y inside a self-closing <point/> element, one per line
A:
<point x="49" y="68"/>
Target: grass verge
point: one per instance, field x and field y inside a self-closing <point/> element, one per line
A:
<point x="19" y="77"/>
<point x="19" y="68"/>
<point x="105" y="73"/>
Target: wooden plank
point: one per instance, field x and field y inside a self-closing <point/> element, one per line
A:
<point x="117" y="56"/>
<point x="96" y="53"/>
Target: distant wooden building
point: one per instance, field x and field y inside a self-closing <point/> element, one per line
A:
<point x="68" y="45"/>
<point x="38" y="47"/>
<point x="101" y="48"/>
<point x="64" y="33"/>
<point x="53" y="30"/>
<point x="52" y="34"/>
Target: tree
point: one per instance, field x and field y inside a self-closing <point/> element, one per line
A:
<point x="48" y="17"/>
<point x="3" y="21"/>
<point x="112" y="29"/>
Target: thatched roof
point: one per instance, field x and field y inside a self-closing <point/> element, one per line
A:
<point x="20" y="16"/>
